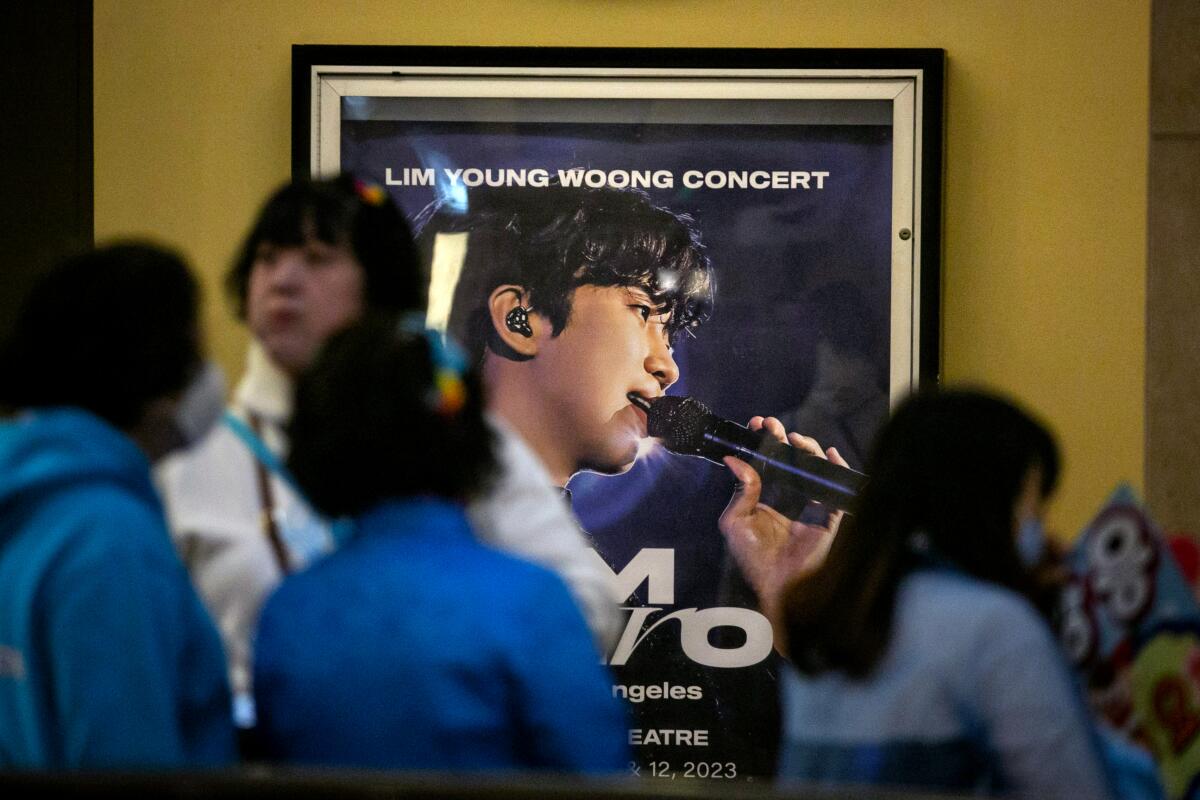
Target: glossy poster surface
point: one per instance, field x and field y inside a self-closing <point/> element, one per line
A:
<point x="796" y="220"/>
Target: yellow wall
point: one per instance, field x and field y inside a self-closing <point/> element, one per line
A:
<point x="1045" y="210"/>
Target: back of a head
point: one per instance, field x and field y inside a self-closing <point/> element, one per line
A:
<point x="341" y="212"/>
<point x="551" y="240"/>
<point x="108" y="331"/>
<point x="946" y="472"/>
<point x="388" y="412"/>
<point x="951" y="465"/>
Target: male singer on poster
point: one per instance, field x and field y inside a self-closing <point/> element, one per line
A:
<point x="571" y="300"/>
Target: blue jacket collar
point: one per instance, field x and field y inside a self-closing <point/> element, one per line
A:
<point x="43" y="449"/>
<point x="422" y="517"/>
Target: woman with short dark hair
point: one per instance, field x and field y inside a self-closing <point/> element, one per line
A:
<point x="320" y="254"/>
<point x="414" y="646"/>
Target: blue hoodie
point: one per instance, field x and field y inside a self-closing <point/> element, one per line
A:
<point x="107" y="658"/>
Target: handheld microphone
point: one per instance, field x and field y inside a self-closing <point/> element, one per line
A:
<point x="687" y="427"/>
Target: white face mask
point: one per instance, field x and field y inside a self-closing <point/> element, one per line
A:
<point x="1031" y="542"/>
<point x="201" y="405"/>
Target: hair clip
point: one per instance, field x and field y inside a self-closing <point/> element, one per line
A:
<point x="448" y="394"/>
<point x="370" y="193"/>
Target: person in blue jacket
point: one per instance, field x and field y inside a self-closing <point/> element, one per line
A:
<point x="414" y="645"/>
<point x="107" y="658"/>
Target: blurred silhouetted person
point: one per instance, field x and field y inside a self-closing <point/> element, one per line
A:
<point x="107" y="658"/>
<point x="922" y="659"/>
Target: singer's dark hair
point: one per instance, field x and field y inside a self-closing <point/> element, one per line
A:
<point x="946" y="472"/>
<point x="108" y="331"/>
<point x="340" y="212"/>
<point x="552" y="240"/>
<point x="371" y="422"/>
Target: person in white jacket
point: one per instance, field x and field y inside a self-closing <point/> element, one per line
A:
<point x="320" y="255"/>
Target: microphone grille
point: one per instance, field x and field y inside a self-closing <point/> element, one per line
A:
<point x="679" y="422"/>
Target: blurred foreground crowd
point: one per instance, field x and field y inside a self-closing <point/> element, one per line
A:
<point x="359" y="563"/>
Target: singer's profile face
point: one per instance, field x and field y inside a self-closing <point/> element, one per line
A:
<point x="614" y="343"/>
<point x="298" y="295"/>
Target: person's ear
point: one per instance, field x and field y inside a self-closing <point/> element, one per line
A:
<point x="515" y="325"/>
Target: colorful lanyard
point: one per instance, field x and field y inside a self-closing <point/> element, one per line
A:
<point x="266" y="461"/>
<point x="262" y="453"/>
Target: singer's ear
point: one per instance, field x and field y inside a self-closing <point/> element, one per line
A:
<point x="521" y="341"/>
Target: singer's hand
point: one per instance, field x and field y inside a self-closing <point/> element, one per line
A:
<point x="770" y="548"/>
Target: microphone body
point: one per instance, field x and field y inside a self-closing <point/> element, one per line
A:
<point x="791" y="477"/>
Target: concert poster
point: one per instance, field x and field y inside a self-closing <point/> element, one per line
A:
<point x="796" y="214"/>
